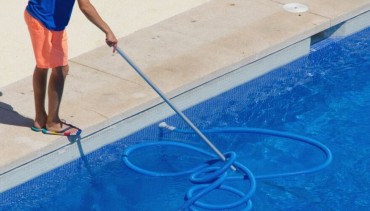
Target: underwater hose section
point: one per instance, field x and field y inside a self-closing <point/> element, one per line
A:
<point x="208" y="176"/>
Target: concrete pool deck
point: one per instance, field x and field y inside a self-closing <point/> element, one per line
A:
<point x="179" y="53"/>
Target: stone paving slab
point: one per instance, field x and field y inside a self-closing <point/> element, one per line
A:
<point x="198" y="42"/>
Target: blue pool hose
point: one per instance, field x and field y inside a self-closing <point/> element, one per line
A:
<point x="212" y="178"/>
<point x="207" y="177"/>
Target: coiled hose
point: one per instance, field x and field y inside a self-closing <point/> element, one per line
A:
<point x="207" y="177"/>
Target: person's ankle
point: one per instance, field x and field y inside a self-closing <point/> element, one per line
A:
<point x="40" y="121"/>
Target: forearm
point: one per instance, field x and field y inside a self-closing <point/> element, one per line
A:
<point x="91" y="14"/>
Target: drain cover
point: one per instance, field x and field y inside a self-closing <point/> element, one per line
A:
<point x="295" y="7"/>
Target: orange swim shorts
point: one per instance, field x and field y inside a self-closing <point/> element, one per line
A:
<point x="50" y="47"/>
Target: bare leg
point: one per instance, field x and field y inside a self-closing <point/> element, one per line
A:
<point x="39" y="89"/>
<point x="55" y="93"/>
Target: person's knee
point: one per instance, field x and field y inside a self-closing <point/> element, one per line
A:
<point x="62" y="69"/>
<point x="65" y="69"/>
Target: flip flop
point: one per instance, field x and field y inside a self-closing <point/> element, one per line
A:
<point x="36" y="129"/>
<point x="63" y="132"/>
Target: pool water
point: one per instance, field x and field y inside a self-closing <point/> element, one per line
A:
<point x="324" y="96"/>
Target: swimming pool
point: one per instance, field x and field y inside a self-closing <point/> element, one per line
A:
<point x="325" y="96"/>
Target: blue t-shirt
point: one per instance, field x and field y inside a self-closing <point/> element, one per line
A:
<point x="54" y="14"/>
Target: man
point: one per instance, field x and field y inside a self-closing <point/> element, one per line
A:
<point x="46" y="21"/>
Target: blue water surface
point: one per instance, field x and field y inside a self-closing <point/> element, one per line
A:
<point x="324" y="96"/>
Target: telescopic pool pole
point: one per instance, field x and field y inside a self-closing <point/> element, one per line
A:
<point x="164" y="97"/>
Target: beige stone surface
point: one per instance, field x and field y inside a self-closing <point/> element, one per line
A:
<point x="178" y="52"/>
<point x="336" y="11"/>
